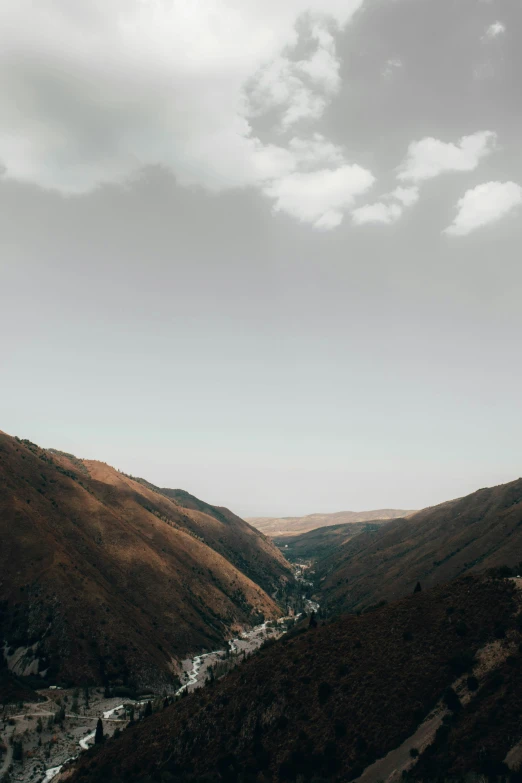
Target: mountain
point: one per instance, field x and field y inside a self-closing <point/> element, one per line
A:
<point x="107" y="578"/>
<point x="325" y="703"/>
<point x="480" y="531"/>
<point x="323" y="541"/>
<point x="291" y="526"/>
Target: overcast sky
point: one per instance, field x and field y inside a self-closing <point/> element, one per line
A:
<point x="266" y="251"/>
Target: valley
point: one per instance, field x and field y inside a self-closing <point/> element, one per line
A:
<point x="370" y="650"/>
<point x="328" y="702"/>
<point x="54" y="730"/>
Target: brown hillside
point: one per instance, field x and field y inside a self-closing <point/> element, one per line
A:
<point x="473" y="533"/>
<point x="322" y="704"/>
<point x="292" y="526"/>
<point x="107" y="579"/>
<point x="323" y="541"/>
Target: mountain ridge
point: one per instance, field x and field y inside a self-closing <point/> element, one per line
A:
<point x="104" y="579"/>
<point x="472" y="533"/>
<point x="289" y="526"/>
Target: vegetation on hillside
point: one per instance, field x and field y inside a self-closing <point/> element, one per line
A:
<point x="325" y="702"/>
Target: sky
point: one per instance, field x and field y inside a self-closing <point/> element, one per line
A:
<point x="266" y="252"/>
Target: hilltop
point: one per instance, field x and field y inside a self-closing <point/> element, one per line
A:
<point x="105" y="578"/>
<point x="291" y="526"/>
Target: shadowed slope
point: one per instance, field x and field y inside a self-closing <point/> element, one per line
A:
<point x="324" y="540"/>
<point x="322" y="704"/>
<point x="480" y="531"/>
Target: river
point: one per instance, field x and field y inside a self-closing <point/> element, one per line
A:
<point x="246" y="643"/>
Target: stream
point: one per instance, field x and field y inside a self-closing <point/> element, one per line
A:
<point x="247" y="642"/>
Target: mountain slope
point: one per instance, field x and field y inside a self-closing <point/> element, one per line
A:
<point x="104" y="578"/>
<point x="480" y="531"/>
<point x="243" y="545"/>
<point x="323" y="541"/>
<point x="325" y="703"/>
<point x="291" y="526"/>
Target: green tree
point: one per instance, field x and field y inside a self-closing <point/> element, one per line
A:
<point x="451" y="700"/>
<point x="18" y="750"/>
<point x="98" y="736"/>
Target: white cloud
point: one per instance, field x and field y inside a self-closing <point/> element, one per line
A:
<point x="483" y="205"/>
<point x="425" y="160"/>
<point x="320" y="197"/>
<point x="301" y="89"/>
<point x="494" y="30"/>
<point x="92" y="92"/>
<point x="380" y="212"/>
<point x="392" y="65"/>
<point x="430" y="157"/>
<point x="389" y="209"/>
<point x="407" y="196"/>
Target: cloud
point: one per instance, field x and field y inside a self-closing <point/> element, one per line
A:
<point x="483" y="205"/>
<point x="90" y="93"/>
<point x="493" y="31"/>
<point x="425" y="160"/>
<point x="430" y="157"/>
<point x="389" y="210"/>
<point x="392" y="65"/>
<point x="407" y="196"/>
<point x="301" y="89"/>
<point x="320" y="197"/>
<point x="379" y="212"/>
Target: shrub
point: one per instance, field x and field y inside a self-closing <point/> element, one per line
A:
<point x="339" y="728"/>
<point x="462" y="663"/>
<point x="472" y="683"/>
<point x="324" y="692"/>
<point x="451" y="700"/>
<point x="461" y="628"/>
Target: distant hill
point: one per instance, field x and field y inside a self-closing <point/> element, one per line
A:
<point x="473" y="533"/>
<point x="292" y="526"/>
<point x="323" y="704"/>
<point x="317" y="544"/>
<point x="106" y="578"/>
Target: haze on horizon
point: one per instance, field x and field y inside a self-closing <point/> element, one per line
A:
<point x="266" y="252"/>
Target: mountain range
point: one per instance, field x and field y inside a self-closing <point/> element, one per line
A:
<point x="410" y="666"/>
